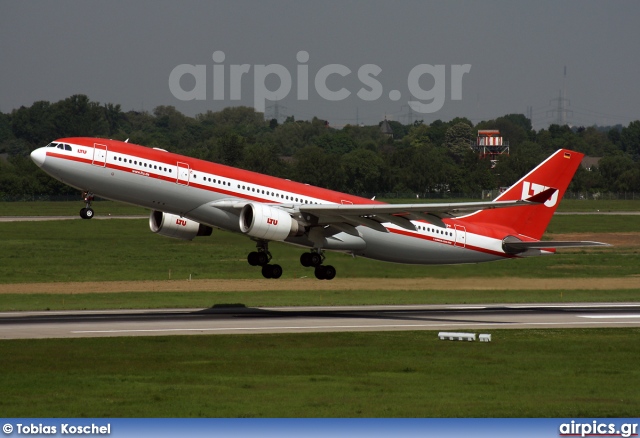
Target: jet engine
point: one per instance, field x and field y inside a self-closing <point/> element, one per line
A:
<point x="268" y="223"/>
<point x="171" y="225"/>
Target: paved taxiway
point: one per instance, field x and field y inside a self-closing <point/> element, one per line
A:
<point x="239" y="320"/>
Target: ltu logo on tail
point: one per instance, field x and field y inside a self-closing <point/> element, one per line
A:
<point x="532" y="189"/>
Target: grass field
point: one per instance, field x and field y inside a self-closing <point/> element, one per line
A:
<point x="127" y="250"/>
<point x="522" y="373"/>
<point x="176" y="300"/>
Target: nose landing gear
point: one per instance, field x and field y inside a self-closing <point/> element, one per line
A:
<point x="87" y="211"/>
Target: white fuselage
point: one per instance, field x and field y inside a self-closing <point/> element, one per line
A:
<point x="187" y="187"/>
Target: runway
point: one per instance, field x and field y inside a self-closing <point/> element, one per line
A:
<point x="241" y="320"/>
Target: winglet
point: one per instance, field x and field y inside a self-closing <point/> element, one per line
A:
<point x="543" y="196"/>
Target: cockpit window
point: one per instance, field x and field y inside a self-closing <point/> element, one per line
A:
<point x="52" y="145"/>
<point x="67" y="147"/>
<point x="60" y="146"/>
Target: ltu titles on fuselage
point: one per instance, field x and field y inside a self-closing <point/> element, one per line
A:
<point x="63" y="429"/>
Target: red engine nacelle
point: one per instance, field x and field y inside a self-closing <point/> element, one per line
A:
<point x="268" y="223"/>
<point x="171" y="225"/>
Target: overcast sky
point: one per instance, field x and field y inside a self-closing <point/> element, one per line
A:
<point x="123" y="52"/>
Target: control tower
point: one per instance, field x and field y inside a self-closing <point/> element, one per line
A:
<point x="490" y="144"/>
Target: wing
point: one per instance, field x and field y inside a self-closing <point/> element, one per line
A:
<point x="347" y="217"/>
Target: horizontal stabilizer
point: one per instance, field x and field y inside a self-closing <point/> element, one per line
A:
<point x="517" y="247"/>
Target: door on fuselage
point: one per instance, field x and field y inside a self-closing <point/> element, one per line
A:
<point x="461" y="236"/>
<point x="183" y="174"/>
<point x="99" y="155"/>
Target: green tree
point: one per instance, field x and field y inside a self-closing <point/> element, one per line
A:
<point x="77" y="116"/>
<point x="231" y="148"/>
<point x="5" y="128"/>
<point x="262" y="158"/>
<point x="36" y="124"/>
<point x="630" y="139"/>
<point x="313" y="165"/>
<point x="587" y="181"/>
<point x="457" y="141"/>
<point x="363" y="170"/>
<point x="334" y="142"/>
<point x="612" y="168"/>
<point x="243" y="120"/>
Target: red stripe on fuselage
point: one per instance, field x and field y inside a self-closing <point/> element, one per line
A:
<point x="197" y="165"/>
<point x="150" y="174"/>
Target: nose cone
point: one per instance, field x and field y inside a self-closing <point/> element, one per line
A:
<point x="38" y="156"/>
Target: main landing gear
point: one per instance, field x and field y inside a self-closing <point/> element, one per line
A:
<point x="315" y="259"/>
<point x="262" y="257"/>
<point x="87" y="211"/>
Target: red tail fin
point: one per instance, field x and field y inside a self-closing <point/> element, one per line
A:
<point x="555" y="172"/>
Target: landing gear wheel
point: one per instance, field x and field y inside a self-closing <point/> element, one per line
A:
<point x="315" y="259"/>
<point x="308" y="259"/>
<point x="86" y="213"/>
<point x="276" y="271"/>
<point x="271" y="271"/>
<point x="305" y="259"/>
<point x="325" y="272"/>
<point x="259" y="258"/>
<point x="329" y="272"/>
<point x="262" y="258"/>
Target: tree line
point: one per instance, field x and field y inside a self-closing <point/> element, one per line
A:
<point x="420" y="158"/>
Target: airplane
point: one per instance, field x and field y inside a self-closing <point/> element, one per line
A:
<point x="189" y="197"/>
